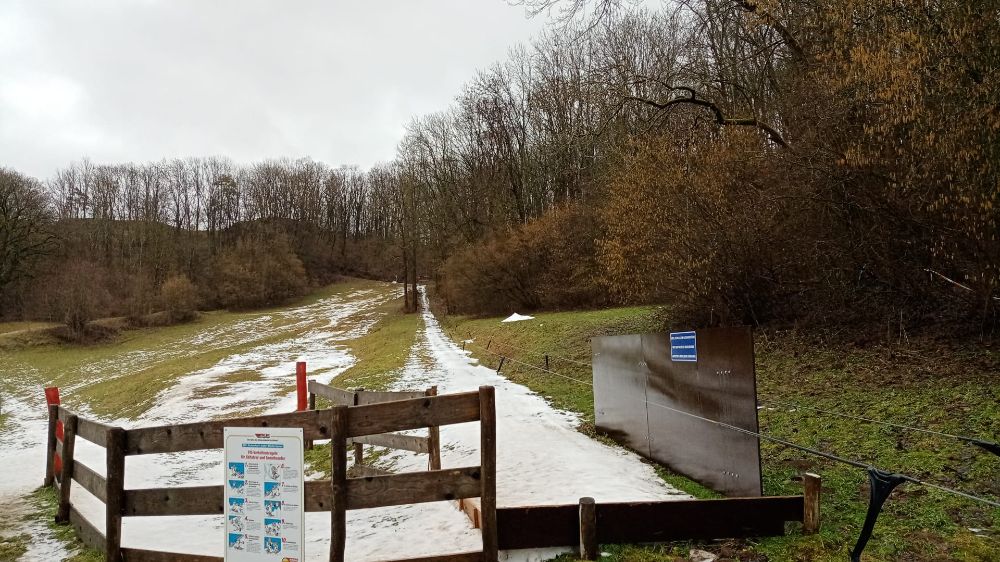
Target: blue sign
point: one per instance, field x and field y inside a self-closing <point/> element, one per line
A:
<point x="683" y="347"/>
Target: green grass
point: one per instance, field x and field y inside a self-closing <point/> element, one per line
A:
<point x="925" y="383"/>
<point x="45" y="502"/>
<point x="11" y="548"/>
<point x="381" y="355"/>
<point x="122" y="377"/>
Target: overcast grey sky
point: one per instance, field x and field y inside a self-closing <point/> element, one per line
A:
<point x="149" y="79"/>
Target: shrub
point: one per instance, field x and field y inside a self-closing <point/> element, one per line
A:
<point x="179" y="298"/>
<point x="258" y="272"/>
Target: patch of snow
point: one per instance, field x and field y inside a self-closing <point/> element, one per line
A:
<point x="517" y="318"/>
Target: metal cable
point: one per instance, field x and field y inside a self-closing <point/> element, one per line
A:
<point x="803" y="448"/>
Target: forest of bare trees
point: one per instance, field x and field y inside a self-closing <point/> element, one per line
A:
<point x="747" y="161"/>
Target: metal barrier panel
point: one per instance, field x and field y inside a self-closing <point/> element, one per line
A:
<point x="620" y="390"/>
<point x="719" y="384"/>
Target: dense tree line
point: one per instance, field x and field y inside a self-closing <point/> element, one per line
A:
<point x="742" y="160"/>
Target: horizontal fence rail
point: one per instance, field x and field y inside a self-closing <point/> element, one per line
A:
<point x="373" y="423"/>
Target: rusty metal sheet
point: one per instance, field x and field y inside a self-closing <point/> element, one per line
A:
<point x="720" y="385"/>
<point x="620" y="390"/>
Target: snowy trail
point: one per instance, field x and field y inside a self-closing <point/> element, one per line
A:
<point x="542" y="459"/>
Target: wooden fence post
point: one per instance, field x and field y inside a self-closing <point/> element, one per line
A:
<point x="588" y="529"/>
<point x="115" y="492"/>
<point x="812" y="485"/>
<point x="312" y="406"/>
<point x="66" y="480"/>
<point x="433" y="440"/>
<point x="488" y="466"/>
<point x="338" y="483"/>
<point x="359" y="454"/>
<point x="51" y="449"/>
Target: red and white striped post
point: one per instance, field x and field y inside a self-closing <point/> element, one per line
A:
<point x="301" y="386"/>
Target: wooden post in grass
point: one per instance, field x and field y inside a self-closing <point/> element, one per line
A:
<point x="338" y="484"/>
<point x="588" y="529"/>
<point x="66" y="480"/>
<point x="433" y="440"/>
<point x="812" y="485"/>
<point x="115" y="492"/>
<point x="488" y="467"/>
<point x="359" y="454"/>
<point x="51" y="449"/>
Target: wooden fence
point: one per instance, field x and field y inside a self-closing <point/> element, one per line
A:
<point x="430" y="445"/>
<point x="340" y="493"/>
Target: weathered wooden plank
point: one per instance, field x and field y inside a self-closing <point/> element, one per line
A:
<point x="208" y="435"/>
<point x="140" y="555"/>
<point x="433" y="440"/>
<point x="812" y="485"/>
<point x="558" y="525"/>
<point x="338" y="396"/>
<point x="363" y="470"/>
<point x="366" y="397"/>
<point x="68" y="464"/>
<point x="413" y="443"/>
<point x="188" y="500"/>
<point x="588" y="529"/>
<point x="90" y="480"/>
<point x="461" y="557"/>
<point x="413" y="487"/>
<point x="92" y="431"/>
<point x="117" y="443"/>
<point x="338" y="485"/>
<point x="488" y="458"/>
<point x="412" y="414"/>
<point x="50" y="454"/>
<point x="87" y="532"/>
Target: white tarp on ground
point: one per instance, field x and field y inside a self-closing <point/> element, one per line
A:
<point x="542" y="459"/>
<point x="517" y="318"/>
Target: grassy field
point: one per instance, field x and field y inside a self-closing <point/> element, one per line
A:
<point x="921" y="383"/>
<point x="381" y="354"/>
<point x="120" y="378"/>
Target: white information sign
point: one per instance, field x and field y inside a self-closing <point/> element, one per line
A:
<point x="265" y="511"/>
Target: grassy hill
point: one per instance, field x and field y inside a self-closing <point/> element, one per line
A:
<point x="919" y="382"/>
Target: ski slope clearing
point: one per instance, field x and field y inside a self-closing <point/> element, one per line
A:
<point x="542" y="458"/>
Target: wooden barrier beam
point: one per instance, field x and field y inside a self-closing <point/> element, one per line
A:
<point x="366" y="397"/>
<point x="395" y="441"/>
<point x="338" y="484"/>
<point x="413" y="487"/>
<point x="337" y="396"/>
<point x="208" y="435"/>
<point x="413" y="414"/>
<point x="462" y="557"/>
<point x="363" y="470"/>
<point x="90" y="480"/>
<point x="92" y="431"/>
<point x="88" y="533"/>
<point x="558" y="525"/>
<point x="140" y="555"/>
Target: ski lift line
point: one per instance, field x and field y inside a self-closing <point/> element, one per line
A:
<point x="871" y="420"/>
<point x="803" y="448"/>
<point x="824" y="454"/>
